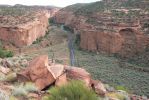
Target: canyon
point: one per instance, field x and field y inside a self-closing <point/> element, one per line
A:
<point x="110" y="31"/>
<point x="107" y="41"/>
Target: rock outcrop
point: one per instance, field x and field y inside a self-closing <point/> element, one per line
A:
<point x="38" y="73"/>
<point x="41" y="73"/>
<point x="98" y="87"/>
<point x="79" y="74"/>
<point x="61" y="80"/>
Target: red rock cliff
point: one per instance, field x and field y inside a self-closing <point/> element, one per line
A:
<point x="24" y="34"/>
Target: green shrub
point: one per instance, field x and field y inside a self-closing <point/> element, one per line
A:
<point x="19" y="91"/>
<point x="5" y="53"/>
<point x="51" y="21"/>
<point x="30" y="87"/>
<point x="23" y="90"/>
<point x="38" y="40"/>
<point x="122" y="88"/>
<point x="75" y="90"/>
<point x="68" y="28"/>
<point x="77" y="39"/>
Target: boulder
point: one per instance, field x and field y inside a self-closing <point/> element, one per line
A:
<point x="61" y="80"/>
<point x="38" y="73"/>
<point x="11" y="77"/>
<point x="56" y="70"/>
<point x="41" y="73"/>
<point x="76" y="73"/>
<point x="98" y="87"/>
<point x="23" y="76"/>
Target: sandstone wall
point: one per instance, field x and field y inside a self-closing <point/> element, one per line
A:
<point x="125" y="43"/>
<point x="25" y="34"/>
<point x="100" y="41"/>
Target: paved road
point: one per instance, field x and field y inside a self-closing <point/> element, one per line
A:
<point x="70" y="46"/>
<point x="71" y="49"/>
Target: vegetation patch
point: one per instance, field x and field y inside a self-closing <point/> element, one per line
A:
<point x="75" y="90"/>
<point x="38" y="40"/>
<point x="108" y="69"/>
<point x="5" y="53"/>
<point x="23" y="90"/>
<point x="77" y="39"/>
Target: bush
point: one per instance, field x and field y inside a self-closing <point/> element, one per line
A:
<point x="51" y="21"/>
<point x="38" y="40"/>
<point x="5" y="53"/>
<point x="75" y="90"/>
<point x="77" y="39"/>
<point x="30" y="87"/>
<point x="19" y="91"/>
<point x="23" y="90"/>
<point x="122" y="88"/>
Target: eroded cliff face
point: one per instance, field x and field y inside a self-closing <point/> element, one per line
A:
<point x="100" y="41"/>
<point x="24" y="34"/>
<point x="107" y="33"/>
<point x="125" y="43"/>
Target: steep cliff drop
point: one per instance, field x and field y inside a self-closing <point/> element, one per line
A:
<point x="20" y="30"/>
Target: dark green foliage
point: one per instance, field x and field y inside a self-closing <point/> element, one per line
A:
<point x="67" y="28"/>
<point x="146" y="25"/>
<point x="51" y="21"/>
<point x="77" y="39"/>
<point x="38" y="40"/>
<point x="5" y="53"/>
<point x="75" y="90"/>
